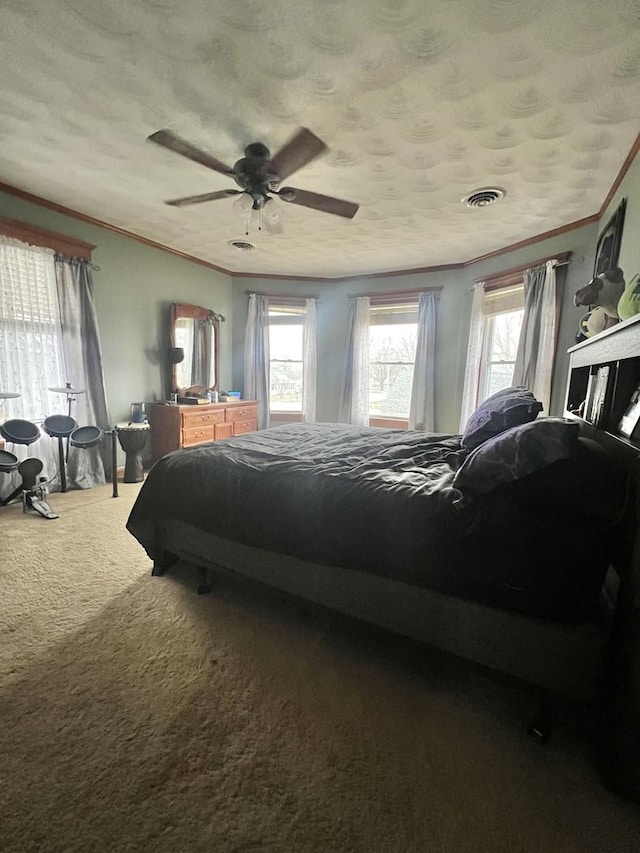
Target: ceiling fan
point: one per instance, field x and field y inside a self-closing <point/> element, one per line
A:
<point x="259" y="175"/>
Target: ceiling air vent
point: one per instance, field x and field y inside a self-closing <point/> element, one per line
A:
<point x="483" y="197"/>
<point x="241" y="245"/>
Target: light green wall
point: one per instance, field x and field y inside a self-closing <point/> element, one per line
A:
<point x="629" y="258"/>
<point x="453" y="320"/>
<point x="133" y="291"/>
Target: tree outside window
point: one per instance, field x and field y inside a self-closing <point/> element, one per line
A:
<point x="502" y="332"/>
<point x="393" y="334"/>
<point x="286" y="328"/>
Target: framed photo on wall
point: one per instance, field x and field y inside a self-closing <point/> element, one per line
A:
<point x="608" y="247"/>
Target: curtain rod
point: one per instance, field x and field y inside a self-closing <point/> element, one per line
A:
<point x="562" y="258"/>
<point x="278" y="295"/>
<point x="395" y="293"/>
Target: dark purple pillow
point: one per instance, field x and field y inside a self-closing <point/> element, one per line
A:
<point x="514" y="454"/>
<point x="503" y="410"/>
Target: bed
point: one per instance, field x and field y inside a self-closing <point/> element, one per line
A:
<point x="387" y="526"/>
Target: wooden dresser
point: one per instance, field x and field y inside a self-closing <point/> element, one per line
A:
<point x="175" y="426"/>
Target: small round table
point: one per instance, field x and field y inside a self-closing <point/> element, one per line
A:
<point x="133" y="440"/>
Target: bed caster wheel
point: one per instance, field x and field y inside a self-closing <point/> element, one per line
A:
<point x="205" y="586"/>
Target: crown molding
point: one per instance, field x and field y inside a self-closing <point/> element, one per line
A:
<point x="41" y="237"/>
<point x="530" y="241"/>
<point x="579" y="223"/>
<point x="635" y="148"/>
<point x="99" y="223"/>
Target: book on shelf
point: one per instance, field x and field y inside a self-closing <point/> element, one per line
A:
<point x="597" y="398"/>
<point x="588" y="397"/>
<point x="600" y="395"/>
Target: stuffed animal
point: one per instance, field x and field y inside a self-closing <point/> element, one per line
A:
<point x="594" y="322"/>
<point x="629" y="302"/>
<point x="604" y="293"/>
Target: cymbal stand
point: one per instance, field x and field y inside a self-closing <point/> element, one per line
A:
<point x="62" y="463"/>
<point x="70" y="399"/>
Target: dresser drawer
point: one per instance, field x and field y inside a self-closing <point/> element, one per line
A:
<point x="198" y="435"/>
<point x="191" y="420"/>
<point x="224" y="430"/>
<point x="241" y="413"/>
<point x="245" y="426"/>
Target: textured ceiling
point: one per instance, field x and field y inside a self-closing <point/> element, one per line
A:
<point x="419" y="102"/>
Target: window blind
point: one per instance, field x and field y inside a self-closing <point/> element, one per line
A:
<point x="503" y="300"/>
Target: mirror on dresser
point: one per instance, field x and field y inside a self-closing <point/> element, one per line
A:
<point x="194" y="350"/>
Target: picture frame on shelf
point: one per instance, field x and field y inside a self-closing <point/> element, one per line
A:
<point x="608" y="245"/>
<point x="631" y="417"/>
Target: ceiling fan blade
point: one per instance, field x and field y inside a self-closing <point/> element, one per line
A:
<point x="325" y="203"/>
<point x="301" y="149"/>
<point x="197" y="199"/>
<point x="169" y="140"/>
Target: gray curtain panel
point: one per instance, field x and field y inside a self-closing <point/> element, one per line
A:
<point x="422" y="391"/>
<point x="87" y="466"/>
<point x="537" y="344"/>
<point x="354" y="396"/>
<point x="256" y="356"/>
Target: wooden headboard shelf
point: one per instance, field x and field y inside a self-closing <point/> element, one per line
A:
<point x="614" y="356"/>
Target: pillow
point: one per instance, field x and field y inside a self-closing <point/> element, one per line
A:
<point x="514" y="454"/>
<point x="507" y="408"/>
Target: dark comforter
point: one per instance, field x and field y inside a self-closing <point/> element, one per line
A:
<point x="381" y="501"/>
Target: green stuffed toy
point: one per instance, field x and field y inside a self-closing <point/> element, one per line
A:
<point x="629" y="302"/>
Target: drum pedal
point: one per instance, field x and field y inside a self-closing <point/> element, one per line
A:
<point x="35" y="499"/>
<point x="43" y="508"/>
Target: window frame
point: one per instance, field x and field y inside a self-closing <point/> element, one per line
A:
<point x="381" y="312"/>
<point x="44" y="333"/>
<point x="296" y="317"/>
<point x="511" y="288"/>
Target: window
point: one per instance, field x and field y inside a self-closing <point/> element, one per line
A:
<point x="31" y="359"/>
<point x="286" y="332"/>
<point x="393" y="333"/>
<point x="503" y="310"/>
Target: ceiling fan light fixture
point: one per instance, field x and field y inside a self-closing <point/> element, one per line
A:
<point x="272" y="211"/>
<point x="272" y="217"/>
<point x="243" y="204"/>
<point x="483" y="197"/>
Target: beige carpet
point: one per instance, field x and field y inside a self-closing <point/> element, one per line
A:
<point x="136" y="715"/>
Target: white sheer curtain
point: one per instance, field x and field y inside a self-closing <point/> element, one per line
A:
<point x="474" y="356"/>
<point x="421" y="410"/>
<point x="309" y="361"/>
<point x="538" y="335"/>
<point x="31" y="355"/>
<point x="256" y="356"/>
<point x="354" y="399"/>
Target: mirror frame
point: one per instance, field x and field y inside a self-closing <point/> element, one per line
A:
<point x="181" y="310"/>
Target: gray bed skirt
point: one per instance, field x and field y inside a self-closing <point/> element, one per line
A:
<point x="564" y="659"/>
